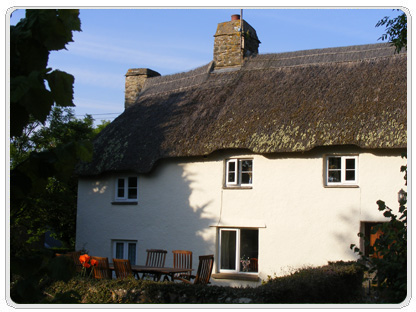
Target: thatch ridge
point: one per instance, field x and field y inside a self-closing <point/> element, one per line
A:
<point x="176" y="81"/>
<point x="197" y="77"/>
<point x="286" y="102"/>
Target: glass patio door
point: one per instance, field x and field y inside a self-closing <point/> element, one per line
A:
<point x="228" y="250"/>
<point x="239" y="250"/>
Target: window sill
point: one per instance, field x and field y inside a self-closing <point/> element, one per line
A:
<point x="124" y="203"/>
<point x="237" y="187"/>
<point x="341" y="186"/>
<point x="236" y="276"/>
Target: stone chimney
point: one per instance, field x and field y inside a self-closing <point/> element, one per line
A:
<point x="135" y="79"/>
<point x="233" y="41"/>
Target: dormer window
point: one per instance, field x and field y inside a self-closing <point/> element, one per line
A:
<point x="239" y="173"/>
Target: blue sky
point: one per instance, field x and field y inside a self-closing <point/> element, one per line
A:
<point x="176" y="40"/>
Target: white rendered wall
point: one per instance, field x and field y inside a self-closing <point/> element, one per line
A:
<point x="301" y="222"/>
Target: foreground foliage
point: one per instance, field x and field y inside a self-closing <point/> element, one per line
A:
<point x="43" y="184"/>
<point x="335" y="283"/>
<point x="31" y="41"/>
<point x="42" y="157"/>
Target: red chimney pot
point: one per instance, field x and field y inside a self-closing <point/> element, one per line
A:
<point x="235" y="17"/>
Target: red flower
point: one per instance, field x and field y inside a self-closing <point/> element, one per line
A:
<point x="84" y="258"/>
<point x="86" y="263"/>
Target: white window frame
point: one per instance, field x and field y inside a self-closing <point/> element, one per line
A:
<point x="126" y="188"/>
<point x="228" y="162"/>
<point x="343" y="169"/>
<point x="125" y="249"/>
<point x="237" y="250"/>
<point x="238" y="172"/>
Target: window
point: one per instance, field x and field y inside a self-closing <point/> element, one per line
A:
<point x="126" y="189"/>
<point x="239" y="250"/>
<point x="125" y="250"/>
<point x="239" y="172"/>
<point x="341" y="170"/>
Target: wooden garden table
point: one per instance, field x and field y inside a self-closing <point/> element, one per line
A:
<point x="156" y="271"/>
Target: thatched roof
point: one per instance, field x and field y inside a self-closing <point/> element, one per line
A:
<point x="286" y="102"/>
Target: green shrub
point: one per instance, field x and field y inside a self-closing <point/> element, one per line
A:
<point x="339" y="282"/>
<point x="335" y="283"/>
<point x="135" y="291"/>
<point x="89" y="290"/>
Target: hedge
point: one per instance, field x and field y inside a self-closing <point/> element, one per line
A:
<point x="334" y="283"/>
<point x="339" y="282"/>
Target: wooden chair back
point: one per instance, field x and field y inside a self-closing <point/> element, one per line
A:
<point x="203" y="275"/>
<point x="75" y="258"/>
<point x="122" y="267"/>
<point x="156" y="258"/>
<point x="182" y="259"/>
<point x="102" y="269"/>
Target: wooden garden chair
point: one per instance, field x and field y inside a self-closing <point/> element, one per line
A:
<point x="182" y="259"/>
<point x="122" y="267"/>
<point x="203" y="275"/>
<point x="75" y="258"/>
<point x="155" y="258"/>
<point x="102" y="269"/>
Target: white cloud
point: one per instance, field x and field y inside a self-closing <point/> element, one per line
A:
<point x="155" y="55"/>
<point x="96" y="106"/>
<point x="93" y="77"/>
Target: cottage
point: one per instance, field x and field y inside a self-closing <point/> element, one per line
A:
<point x="268" y="161"/>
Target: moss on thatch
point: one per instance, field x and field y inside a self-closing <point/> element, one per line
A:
<point x="287" y="102"/>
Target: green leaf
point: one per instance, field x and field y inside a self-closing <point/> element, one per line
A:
<point x="45" y="102"/>
<point x="381" y="205"/>
<point x="19" y="86"/>
<point x="19" y="118"/>
<point x="387" y="214"/>
<point x="28" y="97"/>
<point x="61" y="86"/>
<point x="31" y="41"/>
<point x="70" y="18"/>
<point x="54" y="27"/>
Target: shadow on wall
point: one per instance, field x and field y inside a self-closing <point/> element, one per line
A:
<point x="346" y="234"/>
<point x="168" y="218"/>
<point x="164" y="217"/>
<point x="171" y="220"/>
